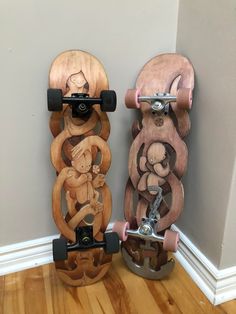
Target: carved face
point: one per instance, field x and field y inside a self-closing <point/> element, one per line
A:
<point x="83" y="163"/>
<point x="77" y="79"/>
<point x="156" y="153"/>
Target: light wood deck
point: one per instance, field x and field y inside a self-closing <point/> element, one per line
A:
<point x="39" y="291"/>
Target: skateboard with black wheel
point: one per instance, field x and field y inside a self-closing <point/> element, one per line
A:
<point x="78" y="97"/>
<point x="154" y="196"/>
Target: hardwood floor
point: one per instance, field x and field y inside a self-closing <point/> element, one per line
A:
<point x="39" y="291"/>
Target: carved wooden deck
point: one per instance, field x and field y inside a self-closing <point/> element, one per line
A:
<point x="158" y="157"/>
<point x="81" y="158"/>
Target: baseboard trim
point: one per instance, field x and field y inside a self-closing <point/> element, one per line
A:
<point x="218" y="285"/>
<point x="24" y="255"/>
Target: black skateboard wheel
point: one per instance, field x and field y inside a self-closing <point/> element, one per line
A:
<point x="55" y="97"/>
<point x="112" y="242"/>
<point x="59" y="249"/>
<point x="108" y="100"/>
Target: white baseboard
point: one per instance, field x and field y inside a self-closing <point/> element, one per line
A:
<point x="24" y="255"/>
<point x="218" y="285"/>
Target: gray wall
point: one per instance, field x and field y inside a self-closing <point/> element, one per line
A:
<point x="123" y="35"/>
<point x="207" y="35"/>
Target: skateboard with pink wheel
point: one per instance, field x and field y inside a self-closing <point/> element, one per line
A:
<point x="154" y="195"/>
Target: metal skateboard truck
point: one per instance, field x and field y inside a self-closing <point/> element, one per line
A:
<point x="147" y="227"/>
<point x="80" y="103"/>
<point x="147" y="232"/>
<point x="85" y="241"/>
<point x="160" y="101"/>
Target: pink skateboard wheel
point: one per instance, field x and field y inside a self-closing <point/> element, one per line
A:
<point x="171" y="241"/>
<point x="120" y="228"/>
<point x="131" y="98"/>
<point x="184" y="98"/>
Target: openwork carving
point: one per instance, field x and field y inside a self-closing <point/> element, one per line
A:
<point x="157" y="161"/>
<point x="81" y="158"/>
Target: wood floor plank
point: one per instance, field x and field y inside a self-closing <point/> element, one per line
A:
<point x="48" y="288"/>
<point x="99" y="299"/>
<point x="76" y="300"/>
<point x="66" y="299"/>
<point x="120" y="300"/>
<point x="33" y="285"/>
<point x="137" y="290"/>
<point x="196" y="293"/>
<point x="2" y="288"/>
<point x="39" y="290"/>
<point x="163" y="298"/>
<point x="228" y="307"/>
<point x="55" y="288"/>
<point x="10" y="304"/>
<point x="180" y="294"/>
<point x="20" y="292"/>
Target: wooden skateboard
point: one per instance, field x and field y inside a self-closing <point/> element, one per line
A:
<point x="78" y="97"/>
<point x="154" y="195"/>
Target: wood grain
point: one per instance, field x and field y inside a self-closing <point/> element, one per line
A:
<point x="38" y="290"/>
<point x="158" y="155"/>
<point x="77" y="144"/>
